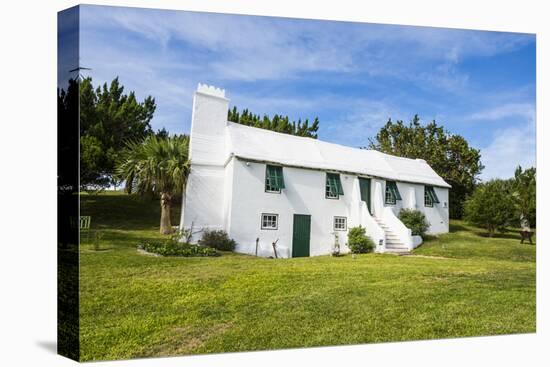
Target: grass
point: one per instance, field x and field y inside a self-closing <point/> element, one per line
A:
<point x="133" y="305"/>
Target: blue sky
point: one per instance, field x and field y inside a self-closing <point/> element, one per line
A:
<point x="353" y="76"/>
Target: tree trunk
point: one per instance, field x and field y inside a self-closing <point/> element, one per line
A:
<point x="165" y="224"/>
<point x="129" y="185"/>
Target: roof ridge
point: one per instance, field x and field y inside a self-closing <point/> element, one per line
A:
<point x="232" y="123"/>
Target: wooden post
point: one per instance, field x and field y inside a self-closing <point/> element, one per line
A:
<point x="274" y="248"/>
<point x="257" y="240"/>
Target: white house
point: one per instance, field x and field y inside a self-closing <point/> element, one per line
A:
<point x="301" y="192"/>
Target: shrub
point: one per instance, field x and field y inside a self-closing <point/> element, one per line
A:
<point x="490" y="206"/>
<point x="415" y="220"/>
<point x="218" y="240"/>
<point x="170" y="248"/>
<point x="358" y="242"/>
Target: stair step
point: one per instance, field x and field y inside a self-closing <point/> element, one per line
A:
<point x="397" y="247"/>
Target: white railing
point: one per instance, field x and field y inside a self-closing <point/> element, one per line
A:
<point x="373" y="229"/>
<point x="395" y="224"/>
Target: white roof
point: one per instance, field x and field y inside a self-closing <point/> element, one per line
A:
<point x="264" y="145"/>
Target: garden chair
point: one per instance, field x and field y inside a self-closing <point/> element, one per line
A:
<point x="526" y="235"/>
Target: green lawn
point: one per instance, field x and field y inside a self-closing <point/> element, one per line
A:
<point x="133" y="305"/>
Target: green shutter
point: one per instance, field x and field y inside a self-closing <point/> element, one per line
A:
<point x="393" y="189"/>
<point x="274" y="177"/>
<point x="364" y="188"/>
<point x="334" y="184"/>
<point x="432" y="195"/>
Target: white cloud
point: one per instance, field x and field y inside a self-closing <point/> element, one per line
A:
<point x="228" y="50"/>
<point x="524" y="110"/>
<point x="364" y="121"/>
<point x="511" y="146"/>
<point x="256" y="48"/>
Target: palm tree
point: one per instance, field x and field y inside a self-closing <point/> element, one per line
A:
<point x="158" y="165"/>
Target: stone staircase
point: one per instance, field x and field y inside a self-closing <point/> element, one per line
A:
<point x="393" y="244"/>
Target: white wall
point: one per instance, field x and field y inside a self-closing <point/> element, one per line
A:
<point x="206" y="204"/>
<point x="233" y="198"/>
<point x="304" y="194"/>
<point x="413" y="198"/>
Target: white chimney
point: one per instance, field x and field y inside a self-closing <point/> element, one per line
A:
<point x="208" y="125"/>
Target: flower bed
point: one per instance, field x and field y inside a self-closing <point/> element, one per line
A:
<point x="177" y="249"/>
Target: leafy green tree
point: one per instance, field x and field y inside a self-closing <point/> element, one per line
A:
<point x="490" y="206"/>
<point x="448" y="154"/>
<point x="279" y="123"/>
<point x="108" y="119"/>
<point x="160" y="166"/>
<point x="524" y="193"/>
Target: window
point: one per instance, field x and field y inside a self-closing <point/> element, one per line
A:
<point x="340" y="224"/>
<point x="392" y="193"/>
<point x="274" y="180"/>
<point x="270" y="221"/>
<point x="429" y="196"/>
<point x="333" y="188"/>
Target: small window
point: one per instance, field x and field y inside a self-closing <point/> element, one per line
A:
<point x="333" y="186"/>
<point x="274" y="180"/>
<point x="340" y="224"/>
<point x="392" y="193"/>
<point x="429" y="196"/>
<point x="270" y="221"/>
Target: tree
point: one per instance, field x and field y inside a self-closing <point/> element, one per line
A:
<point x="490" y="206"/>
<point x="448" y="154"/>
<point x="158" y="165"/>
<point x="278" y="123"/>
<point x="524" y="194"/>
<point x="108" y="119"/>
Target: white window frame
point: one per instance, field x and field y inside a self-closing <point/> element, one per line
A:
<point x="269" y="221"/>
<point x="342" y="226"/>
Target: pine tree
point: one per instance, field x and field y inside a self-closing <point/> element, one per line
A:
<point x="277" y="123"/>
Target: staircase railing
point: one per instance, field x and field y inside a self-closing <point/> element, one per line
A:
<point x="401" y="231"/>
<point x="373" y="229"/>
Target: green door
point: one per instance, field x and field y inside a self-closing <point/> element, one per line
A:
<point x="364" y="186"/>
<point x="300" y="235"/>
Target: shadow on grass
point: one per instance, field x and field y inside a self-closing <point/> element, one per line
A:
<point x="456" y="227"/>
<point x="123" y="211"/>
<point x="509" y="233"/>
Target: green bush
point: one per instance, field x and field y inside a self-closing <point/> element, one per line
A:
<point x="170" y="248"/>
<point x="218" y="240"/>
<point x="358" y="242"/>
<point x="415" y="220"/>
